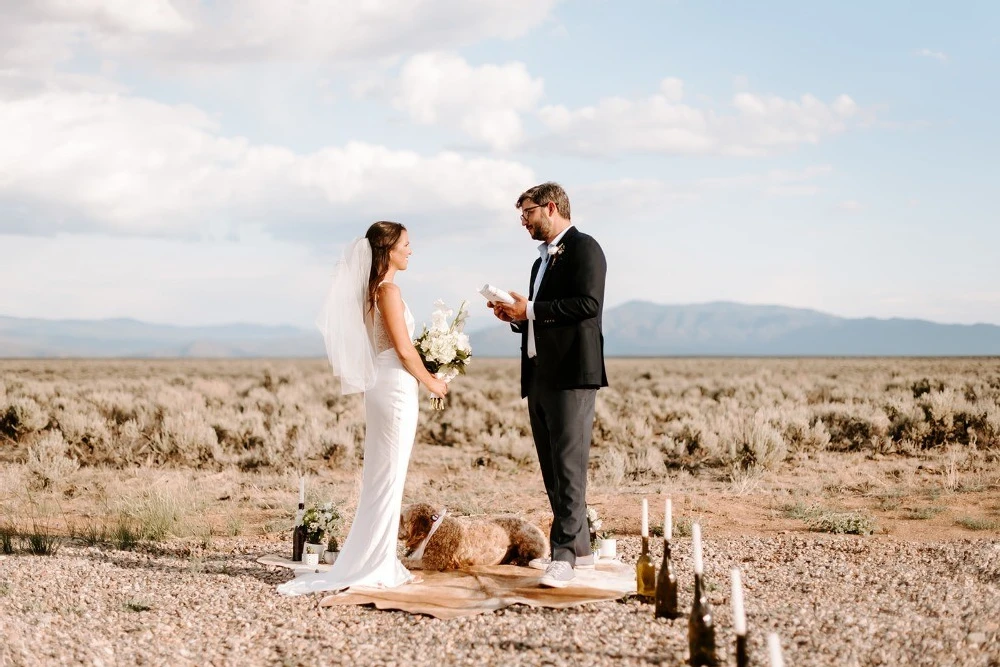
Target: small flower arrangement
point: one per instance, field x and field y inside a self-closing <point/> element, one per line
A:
<point x="321" y="522"/>
<point x="594" y="524"/>
<point x="444" y="348"/>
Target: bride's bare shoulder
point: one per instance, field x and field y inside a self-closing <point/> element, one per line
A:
<point x="388" y="294"/>
<point x="385" y="289"/>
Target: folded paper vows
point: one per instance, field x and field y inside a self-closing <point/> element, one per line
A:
<point x="495" y="294"/>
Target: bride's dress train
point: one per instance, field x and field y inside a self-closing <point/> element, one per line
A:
<point x="368" y="556"/>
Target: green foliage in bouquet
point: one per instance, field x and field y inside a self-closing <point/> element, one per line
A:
<point x="444" y="347"/>
<point x="322" y="522"/>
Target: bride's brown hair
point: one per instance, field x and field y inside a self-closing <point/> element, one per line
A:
<point x="382" y="236"/>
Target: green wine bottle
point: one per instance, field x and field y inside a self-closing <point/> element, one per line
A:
<point x="666" y="580"/>
<point x="701" y="628"/>
<point x="666" y="587"/>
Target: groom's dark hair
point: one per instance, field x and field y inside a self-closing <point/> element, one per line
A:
<point x="545" y="193"/>
<point x="382" y="236"/>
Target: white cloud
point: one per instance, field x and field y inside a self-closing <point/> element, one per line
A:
<point x="672" y="89"/>
<point x="45" y="32"/>
<point x="131" y="165"/>
<point x="652" y="196"/>
<point x="227" y="32"/>
<point x="486" y="102"/>
<point x="929" y="53"/>
<point x="850" y="206"/>
<point x="755" y="125"/>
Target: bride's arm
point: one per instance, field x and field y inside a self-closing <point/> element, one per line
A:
<point x="390" y="304"/>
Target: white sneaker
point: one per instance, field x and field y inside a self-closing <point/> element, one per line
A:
<point x="557" y="574"/>
<point x="582" y="562"/>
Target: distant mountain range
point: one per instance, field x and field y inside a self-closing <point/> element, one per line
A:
<point x="641" y="328"/>
<point x="131" y="338"/>
<point x="636" y="328"/>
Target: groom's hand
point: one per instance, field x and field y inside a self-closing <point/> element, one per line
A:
<point x="517" y="311"/>
<point x="498" y="311"/>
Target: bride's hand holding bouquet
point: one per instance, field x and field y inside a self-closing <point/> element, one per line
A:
<point x="444" y="347"/>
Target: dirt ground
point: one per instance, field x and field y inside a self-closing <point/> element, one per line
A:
<point x="908" y="498"/>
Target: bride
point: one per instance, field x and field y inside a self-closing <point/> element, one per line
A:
<point x="368" y="330"/>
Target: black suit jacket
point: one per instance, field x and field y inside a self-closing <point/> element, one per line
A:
<point x="569" y="307"/>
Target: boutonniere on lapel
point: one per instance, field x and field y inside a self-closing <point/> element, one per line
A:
<point x="554" y="253"/>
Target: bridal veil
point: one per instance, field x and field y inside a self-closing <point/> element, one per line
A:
<point x="343" y="320"/>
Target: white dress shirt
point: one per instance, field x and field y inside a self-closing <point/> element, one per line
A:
<point x="543" y="251"/>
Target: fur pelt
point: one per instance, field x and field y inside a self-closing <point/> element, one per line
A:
<point x="465" y="542"/>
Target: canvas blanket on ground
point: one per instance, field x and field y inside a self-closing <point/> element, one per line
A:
<point x="477" y="590"/>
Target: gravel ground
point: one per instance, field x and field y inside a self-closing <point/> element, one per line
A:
<point x="833" y="600"/>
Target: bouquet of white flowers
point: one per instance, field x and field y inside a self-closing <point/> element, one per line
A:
<point x="444" y="348"/>
<point x="321" y="522"/>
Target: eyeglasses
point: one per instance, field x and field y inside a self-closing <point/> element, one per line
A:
<point x="524" y="211"/>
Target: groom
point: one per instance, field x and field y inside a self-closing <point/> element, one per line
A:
<point x="562" y="366"/>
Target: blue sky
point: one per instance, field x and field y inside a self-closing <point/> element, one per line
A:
<point x="187" y="162"/>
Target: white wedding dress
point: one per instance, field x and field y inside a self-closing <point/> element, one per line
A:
<point x="368" y="556"/>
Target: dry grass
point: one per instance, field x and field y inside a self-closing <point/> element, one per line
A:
<point x="129" y="452"/>
<point x="253" y="415"/>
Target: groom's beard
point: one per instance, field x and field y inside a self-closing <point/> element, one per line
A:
<point x="541" y="231"/>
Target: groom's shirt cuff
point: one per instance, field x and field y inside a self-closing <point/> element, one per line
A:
<point x="530" y="310"/>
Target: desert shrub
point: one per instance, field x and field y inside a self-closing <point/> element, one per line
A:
<point x="974" y="523"/>
<point x="510" y="443"/>
<point x="801" y="431"/>
<point x="906" y="421"/>
<point x="646" y="463"/>
<point x="612" y="468"/>
<point x="990" y="435"/>
<point x="216" y="393"/>
<point x="847" y="523"/>
<point x="694" y="435"/>
<point x="755" y="443"/>
<point x="21" y="417"/>
<point x="339" y="444"/>
<point x="48" y="463"/>
<point x="115" y="406"/>
<point x="87" y="434"/>
<point x="267" y="415"/>
<point x="187" y="438"/>
<point x="854" y="427"/>
<point x="938" y="407"/>
<point x="262" y="400"/>
<point x="921" y="387"/>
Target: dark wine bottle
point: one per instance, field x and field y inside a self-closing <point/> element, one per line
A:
<point x="701" y="628"/>
<point x="666" y="587"/>
<point x="299" y="533"/>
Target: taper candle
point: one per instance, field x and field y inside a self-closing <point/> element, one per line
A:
<point x="774" y="649"/>
<point x="739" y="615"/>
<point x="696" y="547"/>
<point x="668" y="521"/>
<point x="645" y="518"/>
